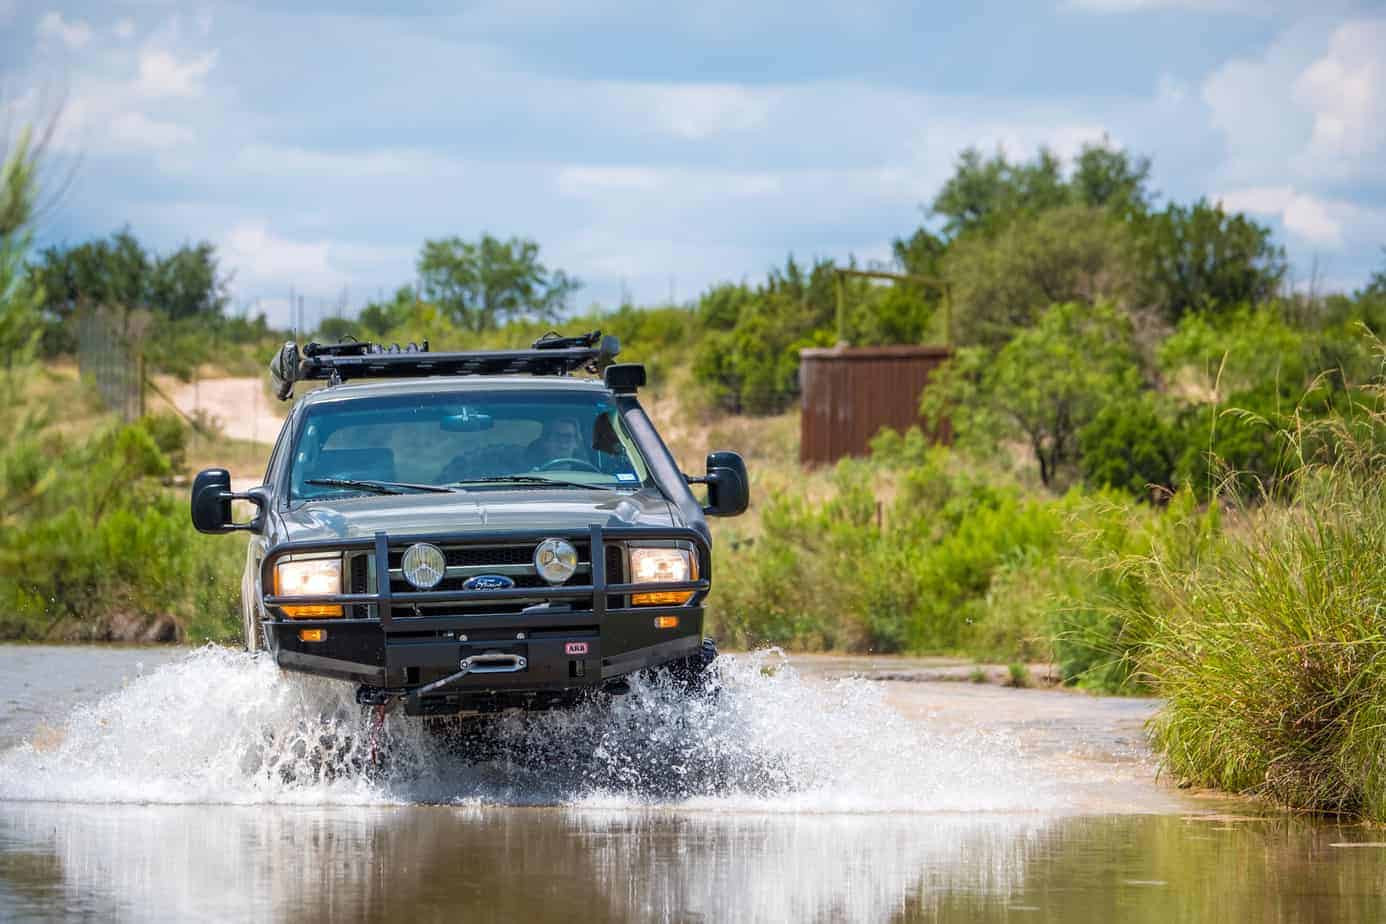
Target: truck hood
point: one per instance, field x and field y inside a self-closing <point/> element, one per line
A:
<point x="491" y="510"/>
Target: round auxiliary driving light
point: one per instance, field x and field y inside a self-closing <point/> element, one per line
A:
<point x="424" y="565"/>
<point x="555" y="560"/>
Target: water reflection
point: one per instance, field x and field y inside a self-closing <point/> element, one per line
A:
<point x="552" y="864"/>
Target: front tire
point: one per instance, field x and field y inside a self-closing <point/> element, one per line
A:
<point x="694" y="673"/>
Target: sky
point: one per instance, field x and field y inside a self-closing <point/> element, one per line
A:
<point x="655" y="149"/>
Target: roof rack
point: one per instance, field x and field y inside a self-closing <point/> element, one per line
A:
<point x="335" y="363"/>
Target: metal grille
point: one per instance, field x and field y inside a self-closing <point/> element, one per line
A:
<point x="476" y="556"/>
<point x="509" y="556"/>
<point x="360" y="584"/>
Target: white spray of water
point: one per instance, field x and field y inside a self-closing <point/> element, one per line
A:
<point x="230" y="728"/>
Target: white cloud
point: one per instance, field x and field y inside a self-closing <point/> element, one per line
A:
<point x="1310" y="108"/>
<point x="73" y="34"/>
<point x="1345" y="90"/>
<point x="1303" y="215"/>
<point x="261" y="259"/>
<point x="162" y="74"/>
<point x="680" y="182"/>
<point x="701" y="111"/>
<point x="124" y="29"/>
<point x="134" y="129"/>
<point x="7" y="10"/>
<point x="278" y="160"/>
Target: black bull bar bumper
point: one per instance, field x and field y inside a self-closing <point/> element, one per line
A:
<point x="570" y="641"/>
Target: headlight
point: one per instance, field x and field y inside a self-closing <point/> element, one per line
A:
<point x="306" y="578"/>
<point x="662" y="566"/>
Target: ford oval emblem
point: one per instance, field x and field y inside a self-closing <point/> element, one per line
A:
<point x="488" y="582"/>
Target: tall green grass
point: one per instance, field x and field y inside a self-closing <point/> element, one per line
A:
<point x="1270" y="646"/>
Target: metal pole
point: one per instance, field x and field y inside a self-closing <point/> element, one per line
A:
<point x="841" y="308"/>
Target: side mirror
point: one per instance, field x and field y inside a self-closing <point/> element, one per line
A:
<point x="728" y="486"/>
<point x="211" y="503"/>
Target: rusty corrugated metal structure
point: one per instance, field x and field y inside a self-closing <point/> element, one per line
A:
<point x="850" y="393"/>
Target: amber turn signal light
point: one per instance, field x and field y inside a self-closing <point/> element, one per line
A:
<point x="666" y="622"/>
<point x="312" y="635"/>
<point x="662" y="598"/>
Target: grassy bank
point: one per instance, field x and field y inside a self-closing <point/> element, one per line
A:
<point x="96" y="543"/>
<point x="925" y="550"/>
<point x="1270" y="647"/>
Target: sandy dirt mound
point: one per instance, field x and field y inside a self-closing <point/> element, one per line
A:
<point x="238" y="406"/>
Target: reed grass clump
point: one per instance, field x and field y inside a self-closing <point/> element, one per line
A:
<point x="1270" y="647"/>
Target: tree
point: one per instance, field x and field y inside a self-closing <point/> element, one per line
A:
<point x="20" y="294"/>
<point x="1200" y="258"/>
<point x="983" y="194"/>
<point x="986" y="195"/>
<point x="187" y="284"/>
<point x="119" y="272"/>
<point x="1110" y="178"/>
<point x="379" y="318"/>
<point x="484" y="283"/>
<point x="921" y="254"/>
<point x="750" y="361"/>
<point x="1002" y="284"/>
<point x="1376" y="285"/>
<point x="1043" y="387"/>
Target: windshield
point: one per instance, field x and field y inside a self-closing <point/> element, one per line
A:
<point x="480" y="442"/>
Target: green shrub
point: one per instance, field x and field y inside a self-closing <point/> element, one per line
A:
<point x="1130" y="447"/>
<point x="95" y="546"/>
<point x="827" y="576"/>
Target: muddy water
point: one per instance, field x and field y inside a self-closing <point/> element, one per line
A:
<point x="205" y="785"/>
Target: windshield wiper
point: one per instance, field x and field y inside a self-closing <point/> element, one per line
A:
<point x="535" y="479"/>
<point x="380" y="487"/>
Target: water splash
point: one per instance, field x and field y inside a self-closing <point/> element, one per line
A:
<point x="230" y="728"/>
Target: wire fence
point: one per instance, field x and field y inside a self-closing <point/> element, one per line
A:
<point x="109" y="356"/>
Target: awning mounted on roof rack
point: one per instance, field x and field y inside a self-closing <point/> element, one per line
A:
<point x="340" y="362"/>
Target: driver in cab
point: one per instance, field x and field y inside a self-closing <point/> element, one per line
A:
<point x="560" y="439"/>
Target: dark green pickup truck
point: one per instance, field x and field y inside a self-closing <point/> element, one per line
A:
<point x="481" y="531"/>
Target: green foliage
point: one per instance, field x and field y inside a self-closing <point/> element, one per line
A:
<point x="380" y="318"/>
<point x="750" y="362"/>
<point x="914" y="575"/>
<point x="1199" y="258"/>
<point x="120" y="274"/>
<point x="92" y="545"/>
<point x="1002" y="283"/>
<point x="1109" y="178"/>
<point x="482" y="284"/>
<point x="20" y="294"/>
<point x="1044" y="386"/>
<point x="984" y="192"/>
<point x="1270" y="651"/>
<point x="1376" y="284"/>
<point x="1130" y="445"/>
<point x="984" y="195"/>
<point x="1245" y="375"/>
<point x="921" y="253"/>
<point x="1241" y="349"/>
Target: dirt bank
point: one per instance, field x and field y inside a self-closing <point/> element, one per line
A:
<point x="238" y="407"/>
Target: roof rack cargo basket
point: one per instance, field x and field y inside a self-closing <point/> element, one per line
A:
<point x="335" y="363"/>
